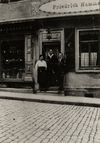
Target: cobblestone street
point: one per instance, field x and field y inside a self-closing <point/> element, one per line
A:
<point x="31" y="122"/>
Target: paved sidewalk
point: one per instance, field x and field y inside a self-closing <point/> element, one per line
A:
<point x="48" y="97"/>
<point x="34" y="122"/>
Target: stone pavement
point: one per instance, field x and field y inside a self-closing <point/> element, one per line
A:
<point x="49" y="97"/>
<point x="33" y="122"/>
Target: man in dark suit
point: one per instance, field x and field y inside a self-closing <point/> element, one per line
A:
<point x="60" y="71"/>
<point x="51" y="67"/>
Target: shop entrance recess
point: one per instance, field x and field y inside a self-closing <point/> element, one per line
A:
<point x="51" y="40"/>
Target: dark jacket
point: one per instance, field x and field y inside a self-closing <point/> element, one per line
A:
<point x="52" y="63"/>
<point x="61" y="66"/>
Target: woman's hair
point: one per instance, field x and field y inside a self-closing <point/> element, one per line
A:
<point x="40" y="56"/>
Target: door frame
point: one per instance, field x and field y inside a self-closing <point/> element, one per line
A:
<point x="62" y="40"/>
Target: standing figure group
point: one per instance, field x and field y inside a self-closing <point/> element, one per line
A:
<point x="50" y="71"/>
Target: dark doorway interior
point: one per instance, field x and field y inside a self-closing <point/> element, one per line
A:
<point x="56" y="48"/>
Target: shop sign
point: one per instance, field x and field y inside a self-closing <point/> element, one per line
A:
<point x="51" y="36"/>
<point x="70" y="6"/>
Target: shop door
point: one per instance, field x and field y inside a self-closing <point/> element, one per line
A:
<point x="56" y="48"/>
<point x="51" y="39"/>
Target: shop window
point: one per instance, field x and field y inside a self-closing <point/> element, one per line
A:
<point x="12" y="59"/>
<point x="89" y="50"/>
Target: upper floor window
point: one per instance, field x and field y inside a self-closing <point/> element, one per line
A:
<point x="88" y="50"/>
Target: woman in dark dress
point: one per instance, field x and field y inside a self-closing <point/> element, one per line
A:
<point x="41" y="70"/>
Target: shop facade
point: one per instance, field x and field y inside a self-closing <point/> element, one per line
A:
<point x="72" y="28"/>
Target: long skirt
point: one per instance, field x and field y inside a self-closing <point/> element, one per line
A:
<point x="42" y="78"/>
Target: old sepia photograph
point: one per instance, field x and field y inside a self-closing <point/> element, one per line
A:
<point x="49" y="71"/>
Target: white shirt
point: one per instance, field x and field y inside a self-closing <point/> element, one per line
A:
<point x="50" y="56"/>
<point x="40" y="64"/>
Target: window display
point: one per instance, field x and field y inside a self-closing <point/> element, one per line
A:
<point x="12" y="59"/>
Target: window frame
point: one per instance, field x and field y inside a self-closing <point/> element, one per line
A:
<point x="77" y="53"/>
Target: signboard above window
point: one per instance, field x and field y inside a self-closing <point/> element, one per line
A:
<point x="13" y="10"/>
<point x="70" y="6"/>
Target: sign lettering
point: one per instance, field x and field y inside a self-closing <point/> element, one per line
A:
<point x="71" y="6"/>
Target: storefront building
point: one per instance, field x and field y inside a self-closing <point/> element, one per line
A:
<point x="29" y="28"/>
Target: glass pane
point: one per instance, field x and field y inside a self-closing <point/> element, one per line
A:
<point x="90" y="35"/>
<point x="93" y="59"/>
<point x="84" y="59"/>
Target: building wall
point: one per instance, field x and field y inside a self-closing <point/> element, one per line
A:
<point x="82" y="80"/>
<point x="82" y="84"/>
<point x="75" y="81"/>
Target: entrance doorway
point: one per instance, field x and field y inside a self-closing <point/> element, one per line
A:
<point x="55" y="46"/>
<point x="52" y="39"/>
